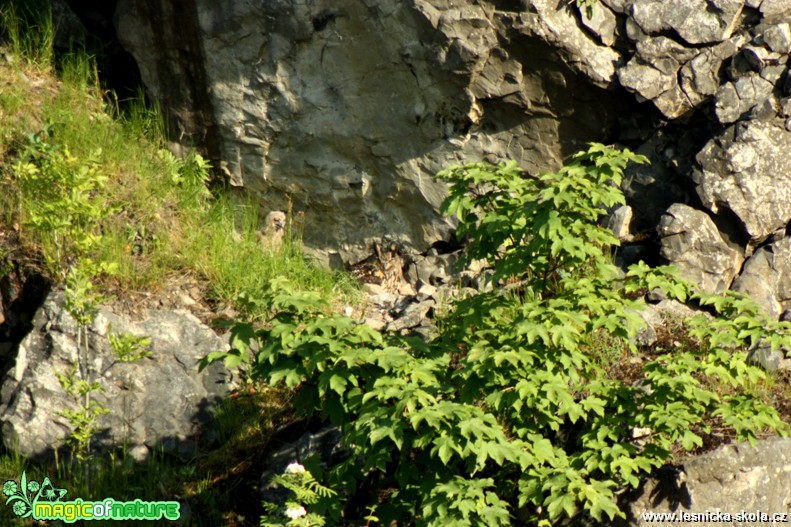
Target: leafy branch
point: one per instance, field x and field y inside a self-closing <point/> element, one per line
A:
<point x="507" y="409"/>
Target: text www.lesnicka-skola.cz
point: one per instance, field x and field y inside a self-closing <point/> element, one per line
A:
<point x="716" y="517"/>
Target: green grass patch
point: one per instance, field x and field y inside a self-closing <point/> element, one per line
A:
<point x="155" y="218"/>
<point x="29" y="32"/>
<point x="86" y="181"/>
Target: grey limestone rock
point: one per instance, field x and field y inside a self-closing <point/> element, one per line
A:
<point x="412" y="316"/>
<point x="602" y="22"/>
<point x="778" y="38"/>
<point x="677" y="78"/>
<point x="652" y="317"/>
<point x="732" y="478"/>
<point x="770" y="360"/>
<point x="554" y="24"/>
<point x="735" y="99"/>
<point x="618" y="6"/>
<point x="619" y="222"/>
<point x="325" y="444"/>
<point x="159" y="401"/>
<point x="691" y="241"/>
<point x="696" y="21"/>
<point x="700" y="77"/>
<point x="652" y="74"/>
<point x="746" y="170"/>
<point x="350" y="108"/>
<point x="773" y="8"/>
<point x="766" y="277"/>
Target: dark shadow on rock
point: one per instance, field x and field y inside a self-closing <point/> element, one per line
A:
<point x="22" y="291"/>
<point x="117" y="68"/>
<point x="667" y="486"/>
<point x="671" y="488"/>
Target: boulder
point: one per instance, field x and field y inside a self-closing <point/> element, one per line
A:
<point x="735" y="100"/>
<point x="771" y="360"/>
<point x="156" y="402"/>
<point x="324" y="445"/>
<point x="778" y="38"/>
<point x="695" y="21"/>
<point x="646" y="336"/>
<point x="736" y="478"/>
<point x="620" y="223"/>
<point x="653" y="74"/>
<point x="690" y="240"/>
<point x="766" y="277"/>
<point x="745" y="170"/>
<point x="618" y="6"/>
<point x="700" y="77"/>
<point x="602" y="22"/>
<point x="773" y="8"/>
<point x="678" y="78"/>
<point x="559" y="27"/>
<point x="412" y="316"/>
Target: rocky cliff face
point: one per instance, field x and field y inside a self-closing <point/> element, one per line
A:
<point x="349" y="108"/>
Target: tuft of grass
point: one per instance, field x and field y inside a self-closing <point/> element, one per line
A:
<point x="141" y="118"/>
<point x="28" y="29"/>
<point x="229" y="254"/>
<point x="78" y="70"/>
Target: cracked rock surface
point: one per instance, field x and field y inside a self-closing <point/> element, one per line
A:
<point x="161" y="401"/>
<point x="347" y="109"/>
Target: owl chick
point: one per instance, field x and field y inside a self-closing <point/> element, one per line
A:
<point x="274" y="230"/>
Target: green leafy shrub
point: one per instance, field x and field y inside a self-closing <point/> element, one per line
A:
<point x="129" y="347"/>
<point x="58" y="193"/>
<point x="60" y="206"/>
<point x="85" y="420"/>
<point x="506" y="414"/>
<point x="82" y="303"/>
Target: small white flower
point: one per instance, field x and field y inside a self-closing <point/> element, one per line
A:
<point x="295" y="468"/>
<point x="296" y="513"/>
